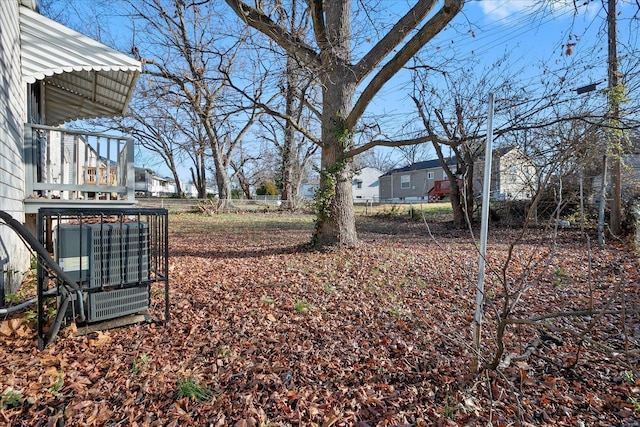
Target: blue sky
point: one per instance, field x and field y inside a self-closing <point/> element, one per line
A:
<point x="541" y="43"/>
<point x="538" y="41"/>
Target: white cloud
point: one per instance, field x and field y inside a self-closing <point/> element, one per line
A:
<point x="501" y="9"/>
<point x="509" y="10"/>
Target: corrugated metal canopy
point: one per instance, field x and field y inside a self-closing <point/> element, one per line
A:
<point x="83" y="78"/>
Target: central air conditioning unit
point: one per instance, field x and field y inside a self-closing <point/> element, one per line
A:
<point x="110" y="261"/>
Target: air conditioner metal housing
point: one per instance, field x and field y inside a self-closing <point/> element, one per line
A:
<point x="111" y="263"/>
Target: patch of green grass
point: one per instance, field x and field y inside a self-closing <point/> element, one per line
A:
<point x="421" y="283"/>
<point x="559" y="274"/>
<point x="58" y="384"/>
<point x="10" y="399"/>
<point x="30" y="316"/>
<point x="329" y="288"/>
<point x="449" y="408"/>
<point x="140" y="363"/>
<point x="12" y="298"/>
<point x="192" y="389"/>
<point x="267" y="300"/>
<point x="395" y="312"/>
<point x="224" y="352"/>
<point x="301" y="307"/>
<point x="416" y="210"/>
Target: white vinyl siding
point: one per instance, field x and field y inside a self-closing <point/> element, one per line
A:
<point x="14" y="257"/>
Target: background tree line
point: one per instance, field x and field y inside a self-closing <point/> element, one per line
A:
<point x="272" y="91"/>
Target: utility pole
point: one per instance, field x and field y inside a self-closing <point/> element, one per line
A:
<point x="614" y="109"/>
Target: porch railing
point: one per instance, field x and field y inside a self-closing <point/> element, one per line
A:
<point x="68" y="165"/>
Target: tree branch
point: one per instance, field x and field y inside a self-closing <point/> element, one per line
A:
<point x="393" y="38"/>
<point x="388" y="143"/>
<point x="261" y="22"/>
<point x="432" y="27"/>
<point x="317" y="17"/>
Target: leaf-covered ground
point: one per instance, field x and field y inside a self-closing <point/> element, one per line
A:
<point x="264" y="331"/>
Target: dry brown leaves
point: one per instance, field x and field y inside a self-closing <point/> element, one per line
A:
<point x="377" y="335"/>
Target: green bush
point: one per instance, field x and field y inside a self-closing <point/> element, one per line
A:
<point x="267" y="188"/>
<point x="236" y="193"/>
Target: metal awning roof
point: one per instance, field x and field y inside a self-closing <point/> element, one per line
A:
<point x="82" y="77"/>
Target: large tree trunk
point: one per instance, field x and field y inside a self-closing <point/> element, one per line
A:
<point x="469" y="196"/>
<point x="335" y="224"/>
<point x="456" y="203"/>
<point x="199" y="179"/>
<point x="244" y="185"/>
<point x="331" y="61"/>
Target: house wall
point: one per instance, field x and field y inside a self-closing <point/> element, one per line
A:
<point x="308" y="190"/>
<point x="515" y="174"/>
<point x="419" y="184"/>
<point x="14" y="256"/>
<point x="365" y="185"/>
<point x="161" y="187"/>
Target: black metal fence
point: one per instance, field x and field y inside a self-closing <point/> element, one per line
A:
<point x="114" y="256"/>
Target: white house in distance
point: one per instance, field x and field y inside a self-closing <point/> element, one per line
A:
<point x="366" y="185"/>
<point x="150" y="184"/>
<point x="513" y="174"/>
<point x="49" y="75"/>
<point x="513" y="177"/>
<point x="308" y="189"/>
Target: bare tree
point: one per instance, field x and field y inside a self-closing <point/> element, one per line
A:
<point x="196" y="148"/>
<point x="452" y="115"/>
<point x="154" y="123"/>
<point x="192" y="62"/>
<point x="330" y="57"/>
<point x="293" y="155"/>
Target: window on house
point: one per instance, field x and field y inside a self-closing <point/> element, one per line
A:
<point x="405" y="181"/>
<point x="429" y="175"/>
<point x="359" y="185"/>
<point x="91" y="175"/>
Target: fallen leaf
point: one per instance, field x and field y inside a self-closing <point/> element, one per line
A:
<point x="101" y="339"/>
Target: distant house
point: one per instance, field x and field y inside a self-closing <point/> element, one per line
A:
<point x="513" y="177"/>
<point x="308" y="189"/>
<point x="190" y="190"/>
<point x="366" y="185"/>
<point x="414" y="182"/>
<point x="150" y="184"/>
